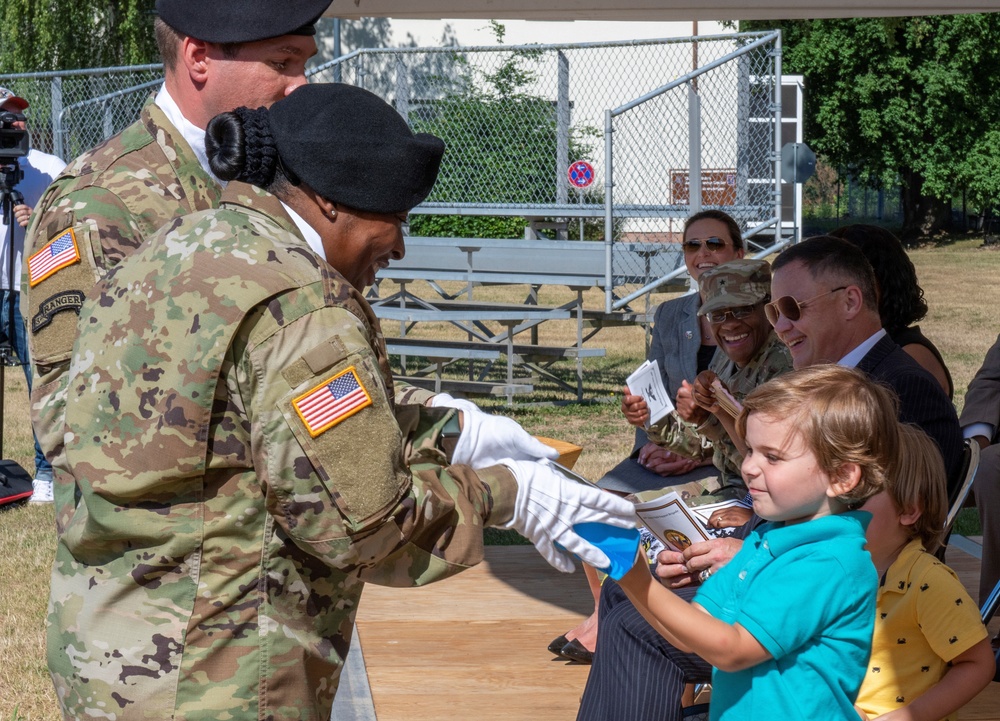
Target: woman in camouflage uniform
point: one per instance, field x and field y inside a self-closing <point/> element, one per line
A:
<point x="243" y="465"/>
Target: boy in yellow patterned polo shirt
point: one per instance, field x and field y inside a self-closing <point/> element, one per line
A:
<point x="930" y="652"/>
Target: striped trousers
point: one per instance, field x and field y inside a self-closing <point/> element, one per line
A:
<point x="636" y="674"/>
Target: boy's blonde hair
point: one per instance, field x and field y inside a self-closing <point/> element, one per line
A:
<point x="843" y="417"/>
<point x="918" y="481"/>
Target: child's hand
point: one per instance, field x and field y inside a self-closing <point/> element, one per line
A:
<point x="697" y="562"/>
<point x="862" y="714"/>
<point x="672" y="570"/>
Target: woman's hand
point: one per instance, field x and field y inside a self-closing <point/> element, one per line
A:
<point x="729" y="517"/>
<point x="704" y="394"/>
<point x="665" y="463"/>
<point x="635" y="409"/>
<point x="687" y="407"/>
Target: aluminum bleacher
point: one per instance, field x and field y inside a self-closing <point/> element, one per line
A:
<point x="467" y="263"/>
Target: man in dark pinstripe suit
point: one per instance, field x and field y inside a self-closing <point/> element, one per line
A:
<point x="826" y="311"/>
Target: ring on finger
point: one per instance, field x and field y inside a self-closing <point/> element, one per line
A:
<point x="704" y="574"/>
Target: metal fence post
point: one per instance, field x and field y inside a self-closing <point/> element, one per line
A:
<point x="694" y="149"/>
<point x="608" y="214"/>
<point x="55" y="93"/>
<point x="562" y="133"/>
<point x="777" y="136"/>
<point x="402" y="90"/>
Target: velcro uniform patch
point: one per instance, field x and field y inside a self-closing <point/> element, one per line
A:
<point x="53" y="256"/>
<point x="335" y="399"/>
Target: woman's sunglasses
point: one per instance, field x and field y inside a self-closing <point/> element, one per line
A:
<point x="792" y="309"/>
<point x="719" y="316"/>
<point x="712" y="244"/>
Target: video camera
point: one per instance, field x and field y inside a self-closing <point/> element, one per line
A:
<point x="13" y="141"/>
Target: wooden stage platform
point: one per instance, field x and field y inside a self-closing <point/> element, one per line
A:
<point x="473" y="647"/>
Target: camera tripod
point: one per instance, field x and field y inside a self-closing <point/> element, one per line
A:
<point x="15" y="482"/>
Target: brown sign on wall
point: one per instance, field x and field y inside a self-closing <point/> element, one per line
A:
<point x="718" y="187"/>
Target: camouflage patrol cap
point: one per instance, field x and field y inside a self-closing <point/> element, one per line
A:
<point x="734" y="285"/>
<point x="241" y="21"/>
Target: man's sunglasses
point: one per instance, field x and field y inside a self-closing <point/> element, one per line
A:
<point x="718" y="316"/>
<point x="792" y="309"/>
<point x="712" y="244"/>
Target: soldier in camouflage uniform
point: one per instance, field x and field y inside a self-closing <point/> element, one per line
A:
<point x="734" y="295"/>
<point x="217" y="55"/>
<point x="243" y="466"/>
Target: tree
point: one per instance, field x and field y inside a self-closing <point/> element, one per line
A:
<point x="37" y="35"/>
<point x="908" y="100"/>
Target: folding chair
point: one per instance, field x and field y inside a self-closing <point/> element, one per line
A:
<point x="970" y="463"/>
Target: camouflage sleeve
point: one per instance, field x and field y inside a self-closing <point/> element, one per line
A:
<point x="343" y="480"/>
<point x="677" y="435"/>
<point x="95" y="220"/>
<point x="407" y="394"/>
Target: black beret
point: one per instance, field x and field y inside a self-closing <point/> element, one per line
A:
<point x="351" y="147"/>
<point x="241" y="21"/>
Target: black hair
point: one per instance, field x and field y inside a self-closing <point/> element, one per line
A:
<point x="901" y="299"/>
<point x="824" y="254"/>
<point x="240" y="146"/>
<point x="731" y="225"/>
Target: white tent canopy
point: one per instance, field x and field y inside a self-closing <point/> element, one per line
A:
<point x="652" y="9"/>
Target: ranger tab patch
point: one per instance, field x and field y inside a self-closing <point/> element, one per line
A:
<point x="59" y="252"/>
<point x="332" y="401"/>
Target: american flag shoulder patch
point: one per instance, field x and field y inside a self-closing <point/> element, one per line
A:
<point x="59" y="252"/>
<point x="332" y="401"/>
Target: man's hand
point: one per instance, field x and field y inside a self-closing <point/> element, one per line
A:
<point x="487" y="439"/>
<point x="677" y="570"/>
<point x="22" y="214"/>
<point x="665" y="463"/>
<point x="635" y="409"/>
<point x="687" y="407"/>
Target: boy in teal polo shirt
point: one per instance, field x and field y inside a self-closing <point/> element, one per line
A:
<point x="788" y="622"/>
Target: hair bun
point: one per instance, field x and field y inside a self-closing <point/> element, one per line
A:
<point x="240" y="146"/>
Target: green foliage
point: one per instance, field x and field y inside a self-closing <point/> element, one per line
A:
<point x="914" y="100"/>
<point x="37" y="36"/>
<point x="467" y="226"/>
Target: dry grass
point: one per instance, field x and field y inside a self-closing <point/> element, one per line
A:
<point x="964" y="321"/>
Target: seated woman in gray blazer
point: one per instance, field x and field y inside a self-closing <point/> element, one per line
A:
<point x="683" y="347"/>
<point x="682" y="344"/>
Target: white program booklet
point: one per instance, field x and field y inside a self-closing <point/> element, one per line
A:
<point x="647" y="381"/>
<point x="670" y="520"/>
<point x="676" y="524"/>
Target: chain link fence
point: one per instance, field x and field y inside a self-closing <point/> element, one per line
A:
<point x="648" y="115"/>
<point x="74" y="110"/>
<point x="662" y="119"/>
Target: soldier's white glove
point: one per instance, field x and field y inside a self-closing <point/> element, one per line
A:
<point x="549" y="504"/>
<point x="488" y="439"/>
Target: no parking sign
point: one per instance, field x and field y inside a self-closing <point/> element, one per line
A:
<point x="581" y="174"/>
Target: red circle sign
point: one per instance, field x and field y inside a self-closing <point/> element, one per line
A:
<point x="581" y="174"/>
